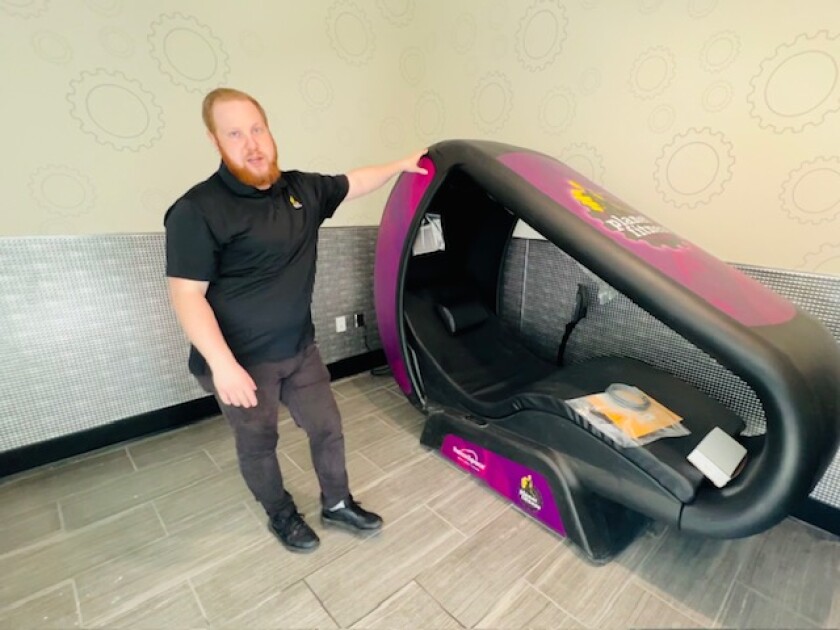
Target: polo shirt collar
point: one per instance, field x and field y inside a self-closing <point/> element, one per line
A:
<point x="244" y="190"/>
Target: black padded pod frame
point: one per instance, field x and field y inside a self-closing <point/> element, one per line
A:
<point x="488" y="397"/>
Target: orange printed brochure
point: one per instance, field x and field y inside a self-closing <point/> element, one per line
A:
<point x="635" y="424"/>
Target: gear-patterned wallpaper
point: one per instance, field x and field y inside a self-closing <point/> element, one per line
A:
<point x="720" y="126"/>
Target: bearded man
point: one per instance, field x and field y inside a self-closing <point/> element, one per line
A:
<point x="241" y="249"/>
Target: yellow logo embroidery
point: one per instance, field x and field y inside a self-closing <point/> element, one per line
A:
<point x="591" y="200"/>
<point x="297" y="205"/>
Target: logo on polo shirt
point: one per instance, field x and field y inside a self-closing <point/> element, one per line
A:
<point x="297" y="205"/>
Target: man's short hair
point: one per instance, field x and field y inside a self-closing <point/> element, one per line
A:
<point x="225" y="94"/>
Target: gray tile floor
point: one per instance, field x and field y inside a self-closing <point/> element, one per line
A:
<point x="162" y="533"/>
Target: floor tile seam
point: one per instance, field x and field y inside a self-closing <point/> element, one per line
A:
<point x="106" y="618"/>
<point x="371" y="462"/>
<point x="358" y="488"/>
<point x="387" y="475"/>
<point x="176" y="528"/>
<point x="375" y="408"/>
<point x="398" y="433"/>
<point x="58" y="467"/>
<point x="180" y="437"/>
<point x="23" y="601"/>
<point x="398" y="429"/>
<point x="305" y="579"/>
<point x="144" y="470"/>
<point x="64" y="495"/>
<point x="376" y="440"/>
<point x="379" y="604"/>
<point x="160" y="519"/>
<point x="284" y="444"/>
<point x="157" y="540"/>
<point x="352" y="377"/>
<point x="774" y="600"/>
<point x="198" y="600"/>
<point x="469" y="537"/>
<point x="401" y="429"/>
<point x="355" y="416"/>
<point x="213" y="459"/>
<point x="62" y="531"/>
<point x="673" y="602"/>
<point x="147" y="501"/>
<point x="66" y="535"/>
<point x="323" y="605"/>
<point x="466" y="535"/>
<point x="352" y="623"/>
<point x="375" y="388"/>
<point x="391" y="474"/>
<point x="339" y="397"/>
<point x="562" y="608"/>
<point x="520" y="584"/>
<point x="643" y="562"/>
<point x="131" y="459"/>
<point x="173" y="582"/>
<point x="743" y="566"/>
<point x="287" y="457"/>
<point x="391" y="430"/>
<point x="404" y="463"/>
<point x="78" y="602"/>
<point x="233" y="621"/>
<point x="608" y="604"/>
<point x="718" y="620"/>
<point x="13" y="518"/>
<point x="392" y="522"/>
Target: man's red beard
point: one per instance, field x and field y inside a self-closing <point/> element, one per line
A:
<point x="249" y="178"/>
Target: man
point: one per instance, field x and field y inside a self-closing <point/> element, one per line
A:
<point x="241" y="252"/>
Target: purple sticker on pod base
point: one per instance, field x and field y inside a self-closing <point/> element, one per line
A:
<point x="517" y="483"/>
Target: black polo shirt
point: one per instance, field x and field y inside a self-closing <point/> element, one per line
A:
<point x="257" y="249"/>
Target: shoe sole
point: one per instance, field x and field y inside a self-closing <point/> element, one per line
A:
<point x="347" y="526"/>
<point x="294" y="549"/>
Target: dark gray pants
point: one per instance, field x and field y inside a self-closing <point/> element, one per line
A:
<point x="302" y="383"/>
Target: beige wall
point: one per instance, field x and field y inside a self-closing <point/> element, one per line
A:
<point x="721" y="119"/>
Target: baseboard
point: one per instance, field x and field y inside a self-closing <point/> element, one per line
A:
<point x="356" y="365"/>
<point x="49" y="451"/>
<point x="819" y="514"/>
<point x="57" y="449"/>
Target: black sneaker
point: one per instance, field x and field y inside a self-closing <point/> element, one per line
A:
<point x="351" y="517"/>
<point x="294" y="533"/>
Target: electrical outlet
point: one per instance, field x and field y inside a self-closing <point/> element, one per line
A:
<point x="340" y="324"/>
<point x="359" y="320"/>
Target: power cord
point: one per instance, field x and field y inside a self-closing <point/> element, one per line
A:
<point x="381" y="370"/>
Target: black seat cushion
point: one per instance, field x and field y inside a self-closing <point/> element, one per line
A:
<point x="663" y="459"/>
<point x="462" y="315"/>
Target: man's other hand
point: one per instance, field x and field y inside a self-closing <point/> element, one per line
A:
<point x="234" y="385"/>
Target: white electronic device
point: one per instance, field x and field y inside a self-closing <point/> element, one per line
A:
<point x="718" y="456"/>
<point x="430" y="237"/>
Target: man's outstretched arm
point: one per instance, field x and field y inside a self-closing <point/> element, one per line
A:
<point x="369" y="178"/>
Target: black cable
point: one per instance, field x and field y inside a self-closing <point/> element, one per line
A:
<point x="381" y="370"/>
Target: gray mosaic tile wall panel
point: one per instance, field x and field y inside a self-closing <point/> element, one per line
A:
<point x="344" y="287"/>
<point x="88" y="337"/>
<point x="540" y="288"/>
